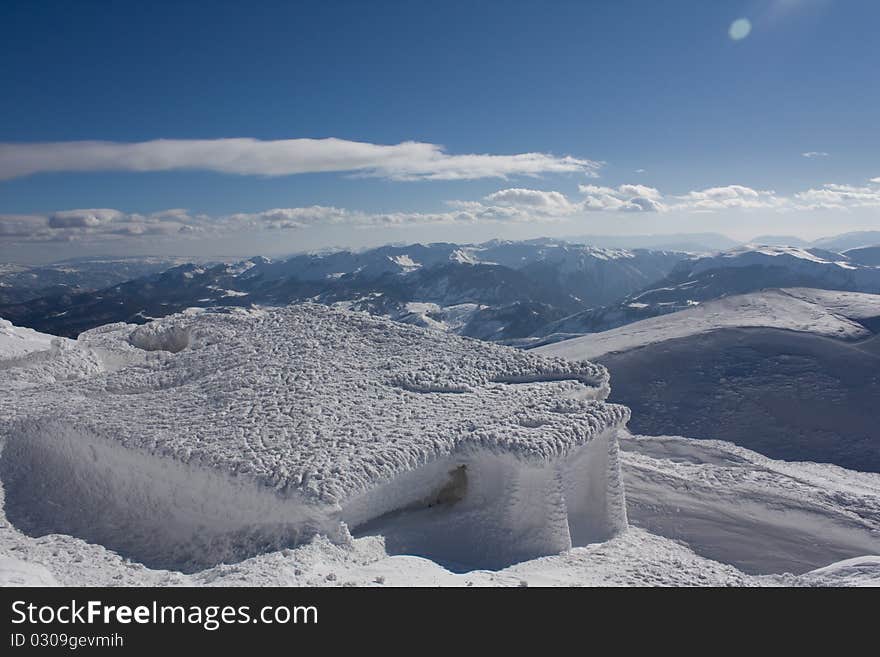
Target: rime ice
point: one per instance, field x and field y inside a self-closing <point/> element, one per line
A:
<point x="209" y="437"/>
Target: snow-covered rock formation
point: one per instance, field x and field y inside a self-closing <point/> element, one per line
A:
<point x="205" y="437"/>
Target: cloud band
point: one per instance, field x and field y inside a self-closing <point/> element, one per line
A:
<point x="282" y="157"/>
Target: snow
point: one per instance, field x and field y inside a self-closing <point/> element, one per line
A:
<point x="466" y="256"/>
<point x="16" y="341"/>
<point x="271" y="427"/>
<point x="634" y="557"/>
<point x="821" y="312"/>
<point x="316" y="447"/>
<point x="773" y="252"/>
<point x="828" y="269"/>
<point x="452" y="318"/>
<point x="860" y="571"/>
<point x="15" y="572"/>
<point x="854" y="305"/>
<point x="227" y="293"/>
<point x="735" y="506"/>
<point x="405" y="262"/>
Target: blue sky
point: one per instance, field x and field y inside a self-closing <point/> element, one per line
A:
<point x="622" y="117"/>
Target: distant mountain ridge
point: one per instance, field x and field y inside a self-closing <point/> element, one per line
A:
<point x="19" y="283"/>
<point x="524" y="293"/>
<point x="497" y="290"/>
<point x="741" y="270"/>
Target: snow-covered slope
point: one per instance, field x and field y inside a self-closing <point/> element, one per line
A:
<point x="735" y="506"/>
<point x="852" y="240"/>
<point x="820" y="312"/>
<point x="706" y="278"/>
<point x="753" y="267"/>
<point x="866" y="255"/>
<point x="789" y="373"/>
<point x="792" y="257"/>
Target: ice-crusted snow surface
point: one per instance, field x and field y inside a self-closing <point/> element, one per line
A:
<point x="688" y="482"/>
<point x="822" y="312"/>
<point x="209" y="436"/>
<point x="323" y="402"/>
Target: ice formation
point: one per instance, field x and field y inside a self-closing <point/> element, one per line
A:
<point x="208" y="437"/>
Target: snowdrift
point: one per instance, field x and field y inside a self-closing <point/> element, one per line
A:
<point x="209" y="437"/>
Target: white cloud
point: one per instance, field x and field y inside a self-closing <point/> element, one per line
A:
<point x="99" y="224"/>
<point x="833" y="196"/>
<point x="625" y="198"/>
<point x="533" y="199"/>
<point x="640" y="190"/>
<point x="290" y="217"/>
<point x="246" y="156"/>
<point x="319" y="215"/>
<point x="15" y="227"/>
<point x="510" y="205"/>
<point x="83" y="218"/>
<point x="729" y="197"/>
<point x="814" y="154"/>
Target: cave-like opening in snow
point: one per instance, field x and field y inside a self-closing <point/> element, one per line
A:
<point x="157" y="337"/>
<point x="491" y="510"/>
<point x="473" y="508"/>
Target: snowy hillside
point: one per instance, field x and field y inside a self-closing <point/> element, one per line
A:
<point x="867" y="255"/>
<point x="790" y="373"/>
<point x="820" y="312"/>
<point x="754" y="267"/>
<point x="705" y="278"/>
<point x="853" y="240"/>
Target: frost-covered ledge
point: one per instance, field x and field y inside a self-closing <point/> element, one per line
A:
<point x="237" y="433"/>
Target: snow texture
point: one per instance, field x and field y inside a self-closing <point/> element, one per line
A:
<point x="691" y="474"/>
<point x="238" y="448"/>
<point x="208" y="437"/>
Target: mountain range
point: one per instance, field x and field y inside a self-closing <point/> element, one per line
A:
<point x="523" y="293"/>
<point x="496" y="290"/>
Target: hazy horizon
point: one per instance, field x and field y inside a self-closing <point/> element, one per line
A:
<point x="44" y="256"/>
